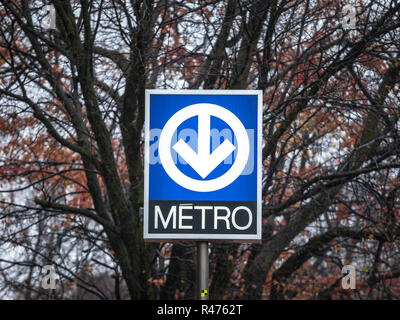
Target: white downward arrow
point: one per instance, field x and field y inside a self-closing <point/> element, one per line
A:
<point x="204" y="162"/>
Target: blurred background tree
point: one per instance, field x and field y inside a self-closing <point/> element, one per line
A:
<point x="71" y="149"/>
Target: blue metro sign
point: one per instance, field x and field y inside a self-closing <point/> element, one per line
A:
<point x="203" y="165"/>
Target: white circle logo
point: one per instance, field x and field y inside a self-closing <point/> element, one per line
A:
<point x="204" y="161"/>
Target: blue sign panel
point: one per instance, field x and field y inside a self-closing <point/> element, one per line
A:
<point x="203" y="165"/>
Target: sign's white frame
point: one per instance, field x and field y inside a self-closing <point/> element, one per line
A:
<point x="167" y="237"/>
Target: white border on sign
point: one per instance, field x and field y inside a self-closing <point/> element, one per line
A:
<point x="157" y="237"/>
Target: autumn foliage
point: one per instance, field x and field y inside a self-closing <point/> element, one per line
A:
<point x="71" y="147"/>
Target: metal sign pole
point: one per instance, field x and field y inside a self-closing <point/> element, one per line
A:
<point x="202" y="270"/>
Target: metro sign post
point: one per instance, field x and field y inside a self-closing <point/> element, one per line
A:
<point x="202" y="177"/>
